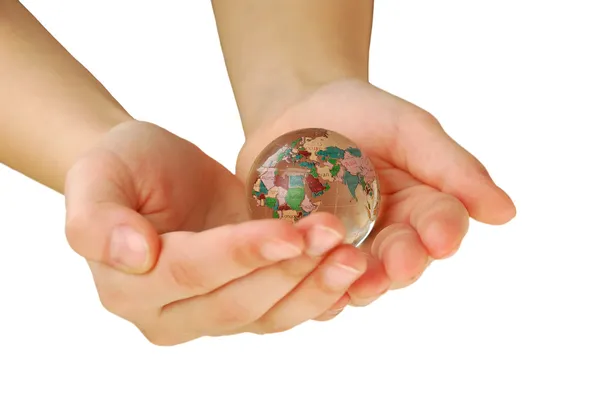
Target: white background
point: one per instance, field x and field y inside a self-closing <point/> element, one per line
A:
<point x="513" y="316"/>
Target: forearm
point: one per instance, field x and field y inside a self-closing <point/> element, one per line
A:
<point x="51" y="107"/>
<point x="275" y="50"/>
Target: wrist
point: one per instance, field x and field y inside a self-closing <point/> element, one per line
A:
<point x="276" y="53"/>
<point x="51" y="108"/>
<point x="47" y="155"/>
<point x="78" y="142"/>
<point x="262" y="98"/>
<point x="305" y="108"/>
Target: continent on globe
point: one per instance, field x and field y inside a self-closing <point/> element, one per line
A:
<point x="312" y="170"/>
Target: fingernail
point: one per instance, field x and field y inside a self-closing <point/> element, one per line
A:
<point x="322" y="239"/>
<point x="128" y="248"/>
<point x="339" y="277"/>
<point x="277" y="250"/>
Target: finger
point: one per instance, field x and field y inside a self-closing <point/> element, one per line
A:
<point x="322" y="231"/>
<point x="233" y="306"/>
<point x="335" y="310"/>
<point x="317" y="293"/>
<point x="440" y="219"/>
<point x="402" y="253"/>
<point x="193" y="264"/>
<point x="102" y="224"/>
<point x="371" y="285"/>
<point x="430" y="155"/>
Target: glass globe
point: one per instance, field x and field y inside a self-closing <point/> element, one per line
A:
<point x="311" y="170"/>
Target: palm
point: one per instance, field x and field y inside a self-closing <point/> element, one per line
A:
<point x="426" y="179"/>
<point x="170" y="181"/>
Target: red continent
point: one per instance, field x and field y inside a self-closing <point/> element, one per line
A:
<point x="314" y="184"/>
<point x="281" y="182"/>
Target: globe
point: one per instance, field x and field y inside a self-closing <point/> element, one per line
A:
<point x="311" y="170"/>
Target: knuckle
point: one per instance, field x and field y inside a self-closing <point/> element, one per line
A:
<point x="232" y="313"/>
<point x="479" y="168"/>
<point x="189" y="277"/>
<point x="420" y="120"/>
<point x="297" y="269"/>
<point x="239" y="252"/>
<point x="449" y="202"/>
<point x="323" y="292"/>
<point x="243" y="254"/>
<point x="426" y="118"/>
<point x="326" y="291"/>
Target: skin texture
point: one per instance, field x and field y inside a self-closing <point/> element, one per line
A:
<point x="275" y="50"/>
<point x="430" y="185"/>
<point x="317" y="54"/>
<point x="51" y="108"/>
<point x="176" y="263"/>
<point x="208" y="270"/>
<point x="180" y="264"/>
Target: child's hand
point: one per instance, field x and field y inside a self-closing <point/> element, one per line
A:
<point x="166" y="233"/>
<point x="430" y="185"/>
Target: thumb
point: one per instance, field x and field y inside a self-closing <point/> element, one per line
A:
<point x="102" y="222"/>
<point x="433" y="157"/>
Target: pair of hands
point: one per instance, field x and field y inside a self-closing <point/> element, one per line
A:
<point x="171" y="247"/>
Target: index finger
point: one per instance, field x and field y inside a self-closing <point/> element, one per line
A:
<point x="193" y="264"/>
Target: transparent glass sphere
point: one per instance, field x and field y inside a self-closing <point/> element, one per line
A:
<point x="313" y="170"/>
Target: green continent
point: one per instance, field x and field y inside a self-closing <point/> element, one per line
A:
<point x="351" y="181"/>
<point x="313" y="172"/>
<point x="284" y="154"/>
<point x="331" y="152"/>
<point x="354" y="152"/>
<point x="363" y="184"/>
<point x="335" y="170"/>
<point x="271" y="203"/>
<point x="275" y="214"/>
<point x="263" y="189"/>
<point x="294" y="198"/>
